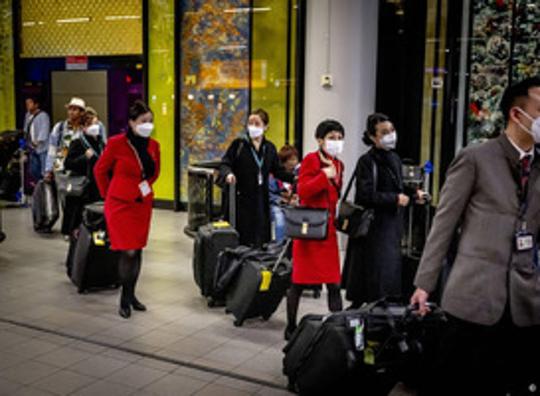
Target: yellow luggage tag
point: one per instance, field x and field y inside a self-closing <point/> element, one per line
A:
<point x="99" y="238"/>
<point x="369" y="353"/>
<point x="266" y="280"/>
<point x="221" y="224"/>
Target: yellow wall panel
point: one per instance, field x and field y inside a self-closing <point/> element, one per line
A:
<point x="7" y="81"/>
<point x="55" y="28"/>
<point x="161" y="89"/>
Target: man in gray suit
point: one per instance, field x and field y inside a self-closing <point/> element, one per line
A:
<point x="492" y="296"/>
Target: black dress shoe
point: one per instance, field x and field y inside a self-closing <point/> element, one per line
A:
<point x="137" y="305"/>
<point x="124" y="311"/>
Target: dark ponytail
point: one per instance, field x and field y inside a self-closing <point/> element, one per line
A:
<point x="371" y="127"/>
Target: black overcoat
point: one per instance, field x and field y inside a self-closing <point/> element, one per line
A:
<point x="372" y="266"/>
<point x="252" y="198"/>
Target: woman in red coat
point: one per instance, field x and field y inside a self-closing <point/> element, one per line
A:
<point x="124" y="174"/>
<point x="319" y="183"/>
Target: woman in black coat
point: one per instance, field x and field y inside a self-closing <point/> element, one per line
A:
<point x="80" y="160"/>
<point x="372" y="267"/>
<point x="247" y="163"/>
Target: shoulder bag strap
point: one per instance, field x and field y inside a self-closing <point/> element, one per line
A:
<point x="375" y="176"/>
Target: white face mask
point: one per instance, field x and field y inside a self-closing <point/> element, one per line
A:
<point x="93" y="130"/>
<point x="535" y="126"/>
<point x="145" y="129"/>
<point x="388" y="142"/>
<point x="333" y="147"/>
<point x="254" y="132"/>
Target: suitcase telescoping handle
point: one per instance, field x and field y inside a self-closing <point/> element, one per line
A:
<point x="232" y="204"/>
<point x="282" y="254"/>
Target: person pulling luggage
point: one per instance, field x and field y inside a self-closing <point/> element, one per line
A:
<point x="83" y="153"/>
<point x="247" y="163"/>
<point x="133" y="159"/>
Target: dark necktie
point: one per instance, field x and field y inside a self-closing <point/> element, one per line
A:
<point x="525" y="172"/>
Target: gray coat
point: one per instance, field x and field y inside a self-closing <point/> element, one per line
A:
<point x="481" y="194"/>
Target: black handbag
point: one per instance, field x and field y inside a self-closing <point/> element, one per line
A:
<point x="352" y="219"/>
<point x="71" y="185"/>
<point x="306" y="223"/>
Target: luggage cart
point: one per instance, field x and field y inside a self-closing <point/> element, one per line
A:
<point x="204" y="197"/>
<point x="417" y="224"/>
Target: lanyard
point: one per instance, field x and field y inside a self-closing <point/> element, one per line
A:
<point x="258" y="161"/>
<point x="138" y="159"/>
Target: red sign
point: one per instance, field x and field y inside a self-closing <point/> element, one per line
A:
<point x="77" y="63"/>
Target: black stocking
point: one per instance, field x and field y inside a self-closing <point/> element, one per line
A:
<point x="293" y="301"/>
<point x="128" y="268"/>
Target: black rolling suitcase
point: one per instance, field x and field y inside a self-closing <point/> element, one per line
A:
<point x="210" y="241"/>
<point x="93" y="263"/>
<point x="260" y="284"/>
<point x="297" y="347"/>
<point x="369" y="349"/>
<point x="44" y="206"/>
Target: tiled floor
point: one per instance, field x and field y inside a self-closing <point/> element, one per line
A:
<point x="178" y="327"/>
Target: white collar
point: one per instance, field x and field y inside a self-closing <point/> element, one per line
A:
<point x="521" y="152"/>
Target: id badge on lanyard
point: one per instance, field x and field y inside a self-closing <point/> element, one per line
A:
<point x="144" y="186"/>
<point x="260" y="163"/>
<point x="523" y="240"/>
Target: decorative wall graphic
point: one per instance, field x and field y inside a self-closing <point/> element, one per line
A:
<point x="56" y="28"/>
<point x="495" y="48"/>
<point x="490" y="57"/>
<point x="526" y="55"/>
<point x="214" y="42"/>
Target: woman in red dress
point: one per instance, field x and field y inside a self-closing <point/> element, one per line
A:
<point x="124" y="174"/>
<point x="319" y="184"/>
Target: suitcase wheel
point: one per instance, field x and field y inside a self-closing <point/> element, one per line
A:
<point x="228" y="311"/>
<point x="238" y="323"/>
<point x="211" y="303"/>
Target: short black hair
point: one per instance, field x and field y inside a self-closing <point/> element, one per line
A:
<point x="34" y="98"/>
<point x="371" y="126"/>
<point x="327" y="126"/>
<point x="516" y="92"/>
<point x="138" y="108"/>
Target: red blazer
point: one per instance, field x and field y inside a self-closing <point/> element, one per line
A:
<point x="119" y="161"/>
<point x="314" y="188"/>
<point x="317" y="262"/>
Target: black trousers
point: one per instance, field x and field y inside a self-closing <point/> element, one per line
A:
<point x="486" y="360"/>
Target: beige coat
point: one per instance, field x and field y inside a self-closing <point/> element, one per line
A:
<point x="480" y="194"/>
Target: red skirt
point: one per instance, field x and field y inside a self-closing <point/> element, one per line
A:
<point x="316" y="262"/>
<point x="128" y="223"/>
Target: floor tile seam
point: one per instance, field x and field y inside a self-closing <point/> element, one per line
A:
<point x="31" y="383"/>
<point x="199" y="367"/>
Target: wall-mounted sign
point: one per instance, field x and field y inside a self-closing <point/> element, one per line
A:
<point x="77" y="63"/>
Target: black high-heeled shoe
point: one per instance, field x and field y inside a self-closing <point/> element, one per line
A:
<point x="137" y="305"/>
<point x="124" y="311"/>
<point x="289" y="330"/>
